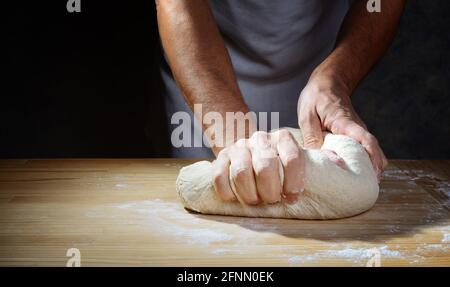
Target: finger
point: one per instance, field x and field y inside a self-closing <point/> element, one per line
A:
<point x="266" y="167"/>
<point x="332" y="156"/>
<point x="385" y="160"/>
<point x="293" y="161"/>
<point x="311" y="130"/>
<point x="241" y="174"/>
<point x="367" y="140"/>
<point x="220" y="169"/>
<point x="384" y="164"/>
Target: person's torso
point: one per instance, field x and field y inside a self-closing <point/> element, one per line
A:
<point x="274" y="40"/>
<point x="274" y="46"/>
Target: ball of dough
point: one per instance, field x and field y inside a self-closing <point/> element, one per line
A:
<point x="330" y="191"/>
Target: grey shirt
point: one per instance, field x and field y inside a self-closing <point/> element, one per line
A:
<point x="274" y="46"/>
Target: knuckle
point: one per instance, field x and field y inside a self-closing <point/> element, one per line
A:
<point x="292" y="159"/>
<point x="242" y="174"/>
<point x="259" y="140"/>
<point x="241" y="143"/>
<point x="264" y="156"/>
<point x="284" y="134"/>
<point x="265" y="170"/>
<point x="368" y="148"/>
<point x="223" y="152"/>
<point x="371" y="139"/>
<point x="310" y="140"/>
<point x="217" y="177"/>
<point x="372" y="147"/>
<point x="259" y="134"/>
<point x="375" y="141"/>
<point x="339" y="126"/>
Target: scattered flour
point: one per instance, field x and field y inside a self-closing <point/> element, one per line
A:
<point x="445" y="230"/>
<point x="396" y="174"/>
<point x="410" y="177"/>
<point x="440" y="183"/>
<point x="220" y="251"/>
<point x="356" y="255"/>
<point x="121" y="185"/>
<point x="126" y="205"/>
<point x="425" y="248"/>
<point x="360" y="255"/>
<point x="302" y="259"/>
<point x="171" y="218"/>
<point x="350" y="252"/>
<point x="446" y="238"/>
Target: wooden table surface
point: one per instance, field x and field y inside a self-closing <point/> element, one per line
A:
<point x="126" y="212"/>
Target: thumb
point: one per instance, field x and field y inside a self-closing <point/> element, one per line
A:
<point x="311" y="131"/>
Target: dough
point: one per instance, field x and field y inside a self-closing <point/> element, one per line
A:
<point x="330" y="191"/>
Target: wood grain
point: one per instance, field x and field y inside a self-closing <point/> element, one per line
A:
<point x="126" y="213"/>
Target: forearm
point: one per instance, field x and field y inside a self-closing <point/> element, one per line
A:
<point x="362" y="40"/>
<point x="198" y="58"/>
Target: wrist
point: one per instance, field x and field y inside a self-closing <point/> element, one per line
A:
<point x="329" y="84"/>
<point x="234" y="125"/>
<point x="329" y="78"/>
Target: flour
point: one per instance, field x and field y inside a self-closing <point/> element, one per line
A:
<point x="171" y="219"/>
<point x="302" y="259"/>
<point x="220" y="251"/>
<point x="396" y="174"/>
<point x="362" y="253"/>
<point x="356" y="255"/>
<point x="446" y="238"/>
<point x="121" y="185"/>
<point x="438" y="182"/>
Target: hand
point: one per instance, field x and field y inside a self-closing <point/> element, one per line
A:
<point x="324" y="104"/>
<point x="253" y="167"/>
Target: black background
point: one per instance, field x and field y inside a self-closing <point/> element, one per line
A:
<point x="87" y="84"/>
<point x="283" y="276"/>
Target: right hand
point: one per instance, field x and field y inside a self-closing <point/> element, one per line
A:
<point x="325" y="104"/>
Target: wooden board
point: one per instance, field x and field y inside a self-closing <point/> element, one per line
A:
<point x="126" y="212"/>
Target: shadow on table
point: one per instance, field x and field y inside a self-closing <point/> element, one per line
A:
<point x="398" y="212"/>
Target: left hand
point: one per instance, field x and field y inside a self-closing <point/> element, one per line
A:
<point x="253" y="167"/>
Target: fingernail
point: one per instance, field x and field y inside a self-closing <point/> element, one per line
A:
<point x="293" y="195"/>
<point x="296" y="191"/>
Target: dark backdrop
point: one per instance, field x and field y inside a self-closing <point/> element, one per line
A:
<point x="87" y="84"/>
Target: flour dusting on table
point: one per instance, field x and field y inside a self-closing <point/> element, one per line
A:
<point x="171" y="218"/>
